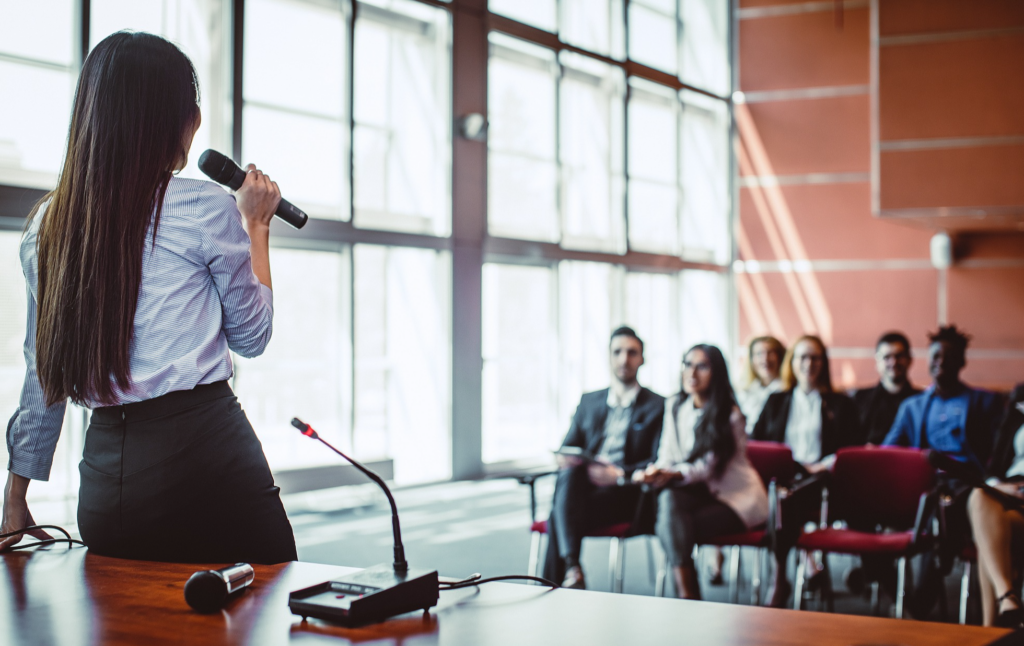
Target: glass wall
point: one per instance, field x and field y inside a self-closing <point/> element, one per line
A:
<point x="602" y="193"/>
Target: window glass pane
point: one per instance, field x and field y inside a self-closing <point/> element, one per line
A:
<point x="704" y="46"/>
<point x="55" y="499"/>
<point x="591" y="137"/>
<point x="402" y="147"/>
<point x="520" y="410"/>
<point x="302" y="374"/>
<point x="594" y="25"/>
<point x="589" y="297"/>
<point x="307" y="163"/>
<point x="652" y="34"/>
<point x="522" y="187"/>
<point x="295" y="123"/>
<point x="704" y="310"/>
<point x="704" y="176"/>
<point x="653" y="192"/>
<point x="403" y="360"/>
<point x="539" y="13"/>
<point x="41" y="30"/>
<point x="197" y="27"/>
<point x="33" y="128"/>
<point x="652" y="309"/>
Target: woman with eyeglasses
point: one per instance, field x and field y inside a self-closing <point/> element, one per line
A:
<point x="813" y="420"/>
<point x="708" y="486"/>
<point x="140" y="284"/>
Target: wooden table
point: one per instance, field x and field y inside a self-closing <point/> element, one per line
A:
<point x="63" y="597"/>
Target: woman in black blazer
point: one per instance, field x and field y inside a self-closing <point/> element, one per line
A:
<point x="806" y="379"/>
<point x="998" y="530"/>
<point x="815" y="422"/>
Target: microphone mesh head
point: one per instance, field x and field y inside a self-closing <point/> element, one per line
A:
<point x="216" y="166"/>
<point x="206" y="592"/>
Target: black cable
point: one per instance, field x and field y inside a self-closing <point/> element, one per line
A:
<point x="470" y="583"/>
<point x="47" y="541"/>
<point x="469" y="579"/>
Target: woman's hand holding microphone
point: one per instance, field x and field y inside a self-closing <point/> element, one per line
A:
<point x="257" y="200"/>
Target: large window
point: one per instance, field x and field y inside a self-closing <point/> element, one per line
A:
<point x="597" y="195"/>
<point x="295" y="122"/>
<point x="37" y="58"/>
<point x="402" y="117"/>
<point x="546" y="329"/>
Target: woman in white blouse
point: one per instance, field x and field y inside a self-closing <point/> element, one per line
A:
<point x="764" y="363"/>
<point x="708" y="486"/>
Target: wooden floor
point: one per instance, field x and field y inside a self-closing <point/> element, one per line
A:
<point x="68" y="597"/>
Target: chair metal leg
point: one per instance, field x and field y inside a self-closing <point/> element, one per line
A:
<point x="734" y="574"/>
<point x="801" y="569"/>
<point x="827" y="591"/>
<point x="620" y="570"/>
<point x="533" y="567"/>
<point x="965" y="591"/>
<point x="652" y="571"/>
<point x="755" y="578"/>
<point x="901" y="584"/>
<point x="876" y="603"/>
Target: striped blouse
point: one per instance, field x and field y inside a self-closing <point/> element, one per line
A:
<point x="198" y="299"/>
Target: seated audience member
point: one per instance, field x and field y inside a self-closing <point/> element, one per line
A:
<point x="619" y="427"/>
<point x="709" y="487"/>
<point x="815" y="422"/>
<point x="878" y="405"/>
<point x="808" y="415"/>
<point x="949" y="415"/>
<point x="954" y="418"/>
<point x="999" y="530"/>
<point x="764" y="361"/>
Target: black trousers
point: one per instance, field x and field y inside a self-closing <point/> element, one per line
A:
<point x="691" y="515"/>
<point x="181" y="478"/>
<point x="579" y="507"/>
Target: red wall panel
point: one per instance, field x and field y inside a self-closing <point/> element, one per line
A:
<point x="924" y="16"/>
<point x="950" y="177"/>
<point x="834" y="222"/>
<point x="987" y="303"/>
<point x="966" y="88"/>
<point x="811" y="136"/>
<point x="804" y="50"/>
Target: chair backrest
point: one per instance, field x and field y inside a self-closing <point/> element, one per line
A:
<point x="876" y="485"/>
<point x="772" y="460"/>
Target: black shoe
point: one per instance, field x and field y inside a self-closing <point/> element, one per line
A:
<point x="855" y="580"/>
<point x="1012" y="618"/>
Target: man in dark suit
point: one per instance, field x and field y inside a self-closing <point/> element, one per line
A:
<point x="878" y="405"/>
<point x="618" y="430"/>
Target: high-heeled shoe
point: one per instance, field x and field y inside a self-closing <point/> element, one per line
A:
<point x="1012" y="618"/>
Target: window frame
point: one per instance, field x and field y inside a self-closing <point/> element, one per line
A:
<point x="468" y="241"/>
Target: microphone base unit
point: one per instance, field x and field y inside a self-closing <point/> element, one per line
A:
<point x="367" y="596"/>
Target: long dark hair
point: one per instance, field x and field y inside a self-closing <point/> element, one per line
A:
<point x="713" y="433"/>
<point x="135" y="105"/>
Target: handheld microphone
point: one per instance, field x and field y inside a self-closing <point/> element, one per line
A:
<point x="224" y="171"/>
<point x="373" y="594"/>
<point x="210" y="590"/>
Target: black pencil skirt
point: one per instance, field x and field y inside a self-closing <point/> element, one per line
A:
<point x="181" y="478"/>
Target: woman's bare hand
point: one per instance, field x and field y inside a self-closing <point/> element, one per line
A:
<point x="257" y="198"/>
<point x="16" y="515"/>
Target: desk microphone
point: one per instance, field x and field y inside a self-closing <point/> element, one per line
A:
<point x="373" y="594"/>
<point x="209" y="590"/>
<point x="224" y="171"/>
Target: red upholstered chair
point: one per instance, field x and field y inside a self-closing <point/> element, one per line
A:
<point x="618" y="534"/>
<point x="871" y="487"/>
<point x="774" y="463"/>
